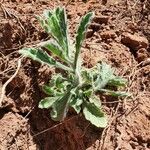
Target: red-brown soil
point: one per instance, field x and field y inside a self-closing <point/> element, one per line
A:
<point x="119" y="35"/>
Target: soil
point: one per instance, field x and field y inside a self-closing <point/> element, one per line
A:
<point x="119" y="34"/>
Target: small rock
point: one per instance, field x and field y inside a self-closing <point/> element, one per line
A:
<point x="108" y="34"/>
<point x="148" y="17"/>
<point x="33" y="147"/>
<point x="94" y="26"/>
<point x="134" y="41"/>
<point x="28" y="8"/>
<point x="146" y="63"/>
<point x="142" y="54"/>
<point x="114" y="2"/>
<point x="43" y="2"/>
<point x="105" y="46"/>
<point x="89" y="33"/>
<point x="101" y="19"/>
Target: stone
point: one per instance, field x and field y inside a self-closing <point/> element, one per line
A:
<point x="134" y="41"/>
<point x="108" y="34"/>
<point x="101" y="19"/>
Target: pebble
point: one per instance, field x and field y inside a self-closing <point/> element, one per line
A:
<point x="101" y="19"/>
<point x="108" y="34"/>
<point x="134" y="41"/>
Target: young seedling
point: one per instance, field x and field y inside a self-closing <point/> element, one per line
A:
<point x="78" y="87"/>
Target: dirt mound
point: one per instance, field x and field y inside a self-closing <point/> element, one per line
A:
<point x="14" y="132"/>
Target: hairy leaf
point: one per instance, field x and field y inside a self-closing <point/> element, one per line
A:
<point x="55" y="49"/>
<point x="57" y="86"/>
<point x="55" y="24"/>
<point x="47" y="102"/>
<point x="63" y="23"/>
<point x="81" y="34"/>
<point x="76" y="104"/>
<point x="51" y="90"/>
<point x="48" y="90"/>
<point x="94" y="115"/>
<point x="60" y="107"/>
<point x="115" y="93"/>
<point x="95" y="100"/>
<point x="47" y="13"/>
<point x="117" y="81"/>
<point x="42" y="57"/>
<point x="88" y="92"/>
<point x="105" y="74"/>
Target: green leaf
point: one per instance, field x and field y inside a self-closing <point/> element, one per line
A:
<point x="47" y="102"/>
<point x="94" y="99"/>
<point x="81" y="34"/>
<point x="104" y="76"/>
<point x="52" y="90"/>
<point x="117" y="81"/>
<point x="42" y="57"/>
<point x="57" y="27"/>
<point x="55" y="30"/>
<point x="76" y="104"/>
<point x="47" y="14"/>
<point x="48" y="90"/>
<point x="93" y="114"/>
<point x="60" y="107"/>
<point x="57" y="85"/>
<point x="55" y="49"/>
<point x="60" y="83"/>
<point x="88" y="92"/>
<point x="63" y="23"/>
<point x="41" y="21"/>
<point x="115" y="93"/>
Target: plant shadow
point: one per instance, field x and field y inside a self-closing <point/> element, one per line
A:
<point x="74" y="133"/>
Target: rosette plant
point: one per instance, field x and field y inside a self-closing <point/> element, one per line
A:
<point x="78" y="86"/>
